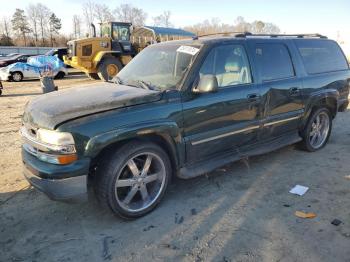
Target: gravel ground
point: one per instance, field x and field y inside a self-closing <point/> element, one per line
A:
<point x="241" y="212"/>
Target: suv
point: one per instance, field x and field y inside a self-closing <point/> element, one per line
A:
<point x="183" y="108"/>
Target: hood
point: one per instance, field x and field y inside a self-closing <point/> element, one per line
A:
<point x="51" y="109"/>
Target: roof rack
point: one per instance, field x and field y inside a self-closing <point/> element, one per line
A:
<point x="291" y="35"/>
<point x="223" y="34"/>
<point x="248" y="34"/>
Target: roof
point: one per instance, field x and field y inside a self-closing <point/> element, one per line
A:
<point x="168" y="31"/>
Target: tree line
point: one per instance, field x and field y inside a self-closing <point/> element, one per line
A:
<point x="37" y="25"/>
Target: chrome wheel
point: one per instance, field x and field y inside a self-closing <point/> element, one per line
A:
<point x="17" y="77"/>
<point x="319" y="130"/>
<point x="140" y="182"/>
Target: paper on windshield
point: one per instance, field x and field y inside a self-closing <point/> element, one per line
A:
<point x="188" y="50"/>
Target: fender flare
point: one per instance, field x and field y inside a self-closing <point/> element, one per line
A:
<point x="100" y="55"/>
<point x="167" y="130"/>
<point x="322" y="97"/>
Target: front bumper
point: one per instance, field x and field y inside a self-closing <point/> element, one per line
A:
<point x="66" y="182"/>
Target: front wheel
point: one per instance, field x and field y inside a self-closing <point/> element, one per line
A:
<point x="109" y="68"/>
<point x="133" y="181"/>
<point x="17" y="76"/>
<point x="317" y="131"/>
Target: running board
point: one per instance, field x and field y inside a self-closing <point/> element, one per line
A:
<point x="210" y="165"/>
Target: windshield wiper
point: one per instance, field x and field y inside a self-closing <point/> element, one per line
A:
<point x="118" y="81"/>
<point x="142" y="84"/>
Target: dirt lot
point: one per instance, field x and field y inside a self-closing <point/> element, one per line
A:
<point x="242" y="212"/>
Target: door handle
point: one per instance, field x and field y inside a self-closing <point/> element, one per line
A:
<point x="253" y="97"/>
<point x="294" y="91"/>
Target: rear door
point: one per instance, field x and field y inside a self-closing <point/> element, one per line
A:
<point x="229" y="118"/>
<point x="280" y="87"/>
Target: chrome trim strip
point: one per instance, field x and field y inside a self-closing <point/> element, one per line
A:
<point x="282" y="121"/>
<point x="243" y="130"/>
<point x="224" y="135"/>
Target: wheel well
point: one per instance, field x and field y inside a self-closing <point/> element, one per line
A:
<point x="330" y="103"/>
<point x="106" y="56"/>
<point x="158" y="139"/>
<point x="17" y="72"/>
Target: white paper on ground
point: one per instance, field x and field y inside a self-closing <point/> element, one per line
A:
<point x="299" y="190"/>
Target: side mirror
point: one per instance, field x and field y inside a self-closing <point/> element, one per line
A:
<point x="206" y="84"/>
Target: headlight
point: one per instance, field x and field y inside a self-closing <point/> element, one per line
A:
<point x="50" y="146"/>
<point x="55" y="138"/>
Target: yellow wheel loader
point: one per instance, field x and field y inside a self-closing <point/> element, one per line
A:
<point x="102" y="57"/>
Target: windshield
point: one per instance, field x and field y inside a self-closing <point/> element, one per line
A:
<point x="50" y="52"/>
<point x="159" y="66"/>
<point x="120" y="32"/>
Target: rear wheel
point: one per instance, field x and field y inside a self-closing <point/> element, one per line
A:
<point x="109" y="68"/>
<point x="133" y="181"/>
<point x="317" y="130"/>
<point x="17" y="76"/>
<point x="93" y="76"/>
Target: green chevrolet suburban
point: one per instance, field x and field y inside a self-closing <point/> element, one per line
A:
<point x="183" y="108"/>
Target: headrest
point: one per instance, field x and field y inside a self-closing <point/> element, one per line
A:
<point x="232" y="66"/>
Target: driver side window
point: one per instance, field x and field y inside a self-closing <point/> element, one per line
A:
<point x="229" y="64"/>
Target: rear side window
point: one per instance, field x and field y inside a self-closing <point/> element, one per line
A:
<point x="273" y="62"/>
<point x="321" y="56"/>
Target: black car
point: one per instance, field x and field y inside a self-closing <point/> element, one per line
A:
<point x="183" y="108"/>
<point x="14" y="59"/>
<point x="59" y="52"/>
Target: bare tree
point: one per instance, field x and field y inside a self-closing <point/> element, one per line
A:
<point x="240" y="25"/>
<point x="43" y="13"/>
<point x="163" y="19"/>
<point x="89" y="13"/>
<point x="77" y="26"/>
<point x="33" y="17"/>
<point x="129" y="13"/>
<point x="103" y="13"/>
<point x="5" y="27"/>
<point x="20" y="24"/>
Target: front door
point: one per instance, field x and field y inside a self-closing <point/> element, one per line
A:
<point x="229" y="118"/>
<point x="280" y="88"/>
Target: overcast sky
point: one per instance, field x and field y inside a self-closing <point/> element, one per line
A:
<point x="292" y="16"/>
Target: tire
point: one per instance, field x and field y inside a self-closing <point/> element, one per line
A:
<point x="316" y="137"/>
<point x="16" y="76"/>
<point x="121" y="185"/>
<point x="109" y="68"/>
<point x="60" y="75"/>
<point x="0" y="92"/>
<point x="93" y="76"/>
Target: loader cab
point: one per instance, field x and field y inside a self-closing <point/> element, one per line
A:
<point x="119" y="32"/>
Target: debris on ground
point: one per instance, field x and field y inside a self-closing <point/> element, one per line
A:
<point x="302" y="214"/>
<point x="193" y="212"/>
<point x="105" y="252"/>
<point x="178" y="220"/>
<point x="347" y="177"/>
<point x="286" y="205"/>
<point x="299" y="190"/>
<point x="148" y="228"/>
<point x="336" y="222"/>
